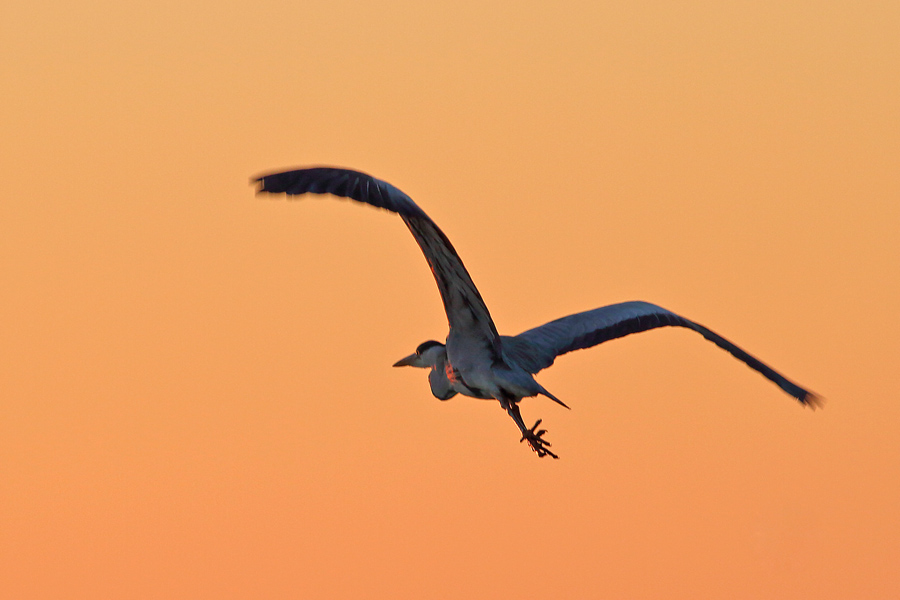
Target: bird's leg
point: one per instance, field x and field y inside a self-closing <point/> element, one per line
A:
<point x="532" y="435"/>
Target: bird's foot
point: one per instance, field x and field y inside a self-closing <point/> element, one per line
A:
<point x="538" y="444"/>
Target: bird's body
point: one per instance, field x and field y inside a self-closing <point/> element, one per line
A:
<point x="476" y="361"/>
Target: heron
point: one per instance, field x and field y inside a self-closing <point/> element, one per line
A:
<point x="475" y="360"/>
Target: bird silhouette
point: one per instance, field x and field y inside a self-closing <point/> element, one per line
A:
<point x="475" y="360"/>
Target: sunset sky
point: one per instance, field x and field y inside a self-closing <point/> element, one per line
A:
<point x="195" y="383"/>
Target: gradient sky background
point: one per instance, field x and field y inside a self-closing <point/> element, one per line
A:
<point x="197" y="398"/>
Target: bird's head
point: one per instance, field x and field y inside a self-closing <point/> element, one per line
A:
<point x="426" y="356"/>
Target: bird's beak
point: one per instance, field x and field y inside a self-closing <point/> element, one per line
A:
<point x="406" y="362"/>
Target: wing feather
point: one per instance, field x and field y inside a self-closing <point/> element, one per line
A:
<point x="466" y="310"/>
<point x="537" y="348"/>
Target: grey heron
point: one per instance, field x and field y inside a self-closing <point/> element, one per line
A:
<point x="475" y="360"/>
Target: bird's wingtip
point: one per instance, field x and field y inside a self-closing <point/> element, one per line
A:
<point x="813" y="401"/>
<point x="259" y="182"/>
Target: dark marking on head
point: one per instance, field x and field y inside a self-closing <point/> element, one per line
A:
<point x="426" y="345"/>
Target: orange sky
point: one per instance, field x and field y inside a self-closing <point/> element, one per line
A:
<point x="196" y="387"/>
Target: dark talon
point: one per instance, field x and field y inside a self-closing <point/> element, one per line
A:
<point x="536" y="441"/>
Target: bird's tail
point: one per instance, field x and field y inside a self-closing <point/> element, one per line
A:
<point x="554" y="398"/>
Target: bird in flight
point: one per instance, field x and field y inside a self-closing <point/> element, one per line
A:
<point x="475" y="360"/>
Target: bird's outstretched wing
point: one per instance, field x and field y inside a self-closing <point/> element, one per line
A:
<point x="466" y="311"/>
<point x="537" y="348"/>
